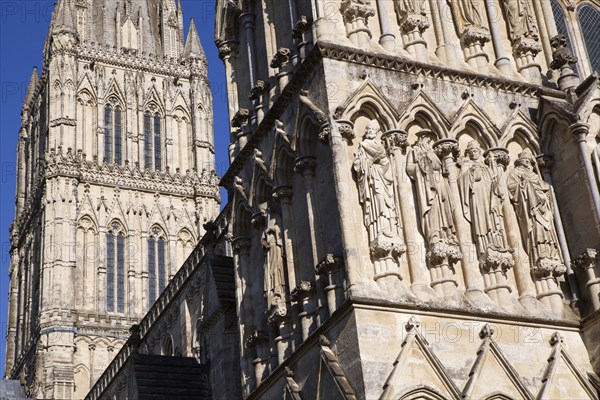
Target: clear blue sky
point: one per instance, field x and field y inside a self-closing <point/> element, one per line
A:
<point x="23" y="27"/>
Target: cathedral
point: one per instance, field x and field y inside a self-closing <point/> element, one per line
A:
<point x="413" y="206"/>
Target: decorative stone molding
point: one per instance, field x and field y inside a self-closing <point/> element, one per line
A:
<point x="63" y="121"/>
<point x="446" y="148"/>
<point x="563" y="60"/>
<point x="586" y="260"/>
<point x="497" y="156"/>
<point x="356" y="16"/>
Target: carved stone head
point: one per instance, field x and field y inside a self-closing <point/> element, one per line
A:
<point x="372" y="129"/>
<point x="473" y="150"/>
<point x="526" y="159"/>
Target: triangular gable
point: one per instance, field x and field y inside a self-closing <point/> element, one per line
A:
<point x="518" y="119"/>
<point x="86" y="86"/>
<point x="114" y="90"/>
<point x="417" y="357"/>
<point x="421" y="102"/>
<point x="487" y="367"/>
<point x="332" y="383"/>
<point x="86" y="207"/>
<point x="116" y="212"/>
<point x="368" y="92"/>
<point x="471" y="111"/>
<point x="152" y="100"/>
<point x="156" y="217"/>
<point x="181" y="103"/>
<point x="563" y="376"/>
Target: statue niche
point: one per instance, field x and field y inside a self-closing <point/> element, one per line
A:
<point x="520" y="19"/>
<point x="532" y="200"/>
<point x="433" y="196"/>
<point x="482" y="203"/>
<point x="376" y="193"/>
<point x="274" y="276"/>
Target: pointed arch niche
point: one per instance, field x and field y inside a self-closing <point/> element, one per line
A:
<point x="115" y="267"/>
<point x="87" y="256"/>
<point x="157" y="258"/>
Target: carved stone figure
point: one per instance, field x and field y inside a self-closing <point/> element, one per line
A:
<point x="471" y="12"/>
<point x="481" y="200"/>
<point x="375" y="184"/>
<point x="520" y="18"/>
<point x="532" y="200"/>
<point x="274" y="278"/>
<point x="416" y="7"/>
<point x="433" y="195"/>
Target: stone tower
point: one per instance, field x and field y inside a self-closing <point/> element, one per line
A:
<point x="115" y="181"/>
<point x="414" y="197"/>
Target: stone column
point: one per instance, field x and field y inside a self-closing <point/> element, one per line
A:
<point x="442" y="21"/>
<point x="413" y="26"/>
<point x="387" y="40"/>
<point x="545" y="164"/>
<point x="247" y="21"/>
<point x="337" y="133"/>
<point x="302" y="294"/>
<point x="563" y="60"/>
<point x="257" y="95"/>
<point x="589" y="274"/>
<point x="356" y="18"/>
<point x="581" y="131"/>
<point x="494" y="18"/>
<point x="396" y="142"/>
<point x="228" y="53"/>
<point x="448" y="151"/>
<point x="259" y="341"/>
<point x="241" y="252"/>
<point x="473" y="41"/>
<point x="498" y="159"/>
<point x="281" y="62"/>
<point x="306" y="166"/>
<point x="299" y="33"/>
<point x="12" y="313"/>
<point x="330" y="268"/>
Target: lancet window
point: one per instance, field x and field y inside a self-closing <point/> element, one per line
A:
<point x="113" y="134"/>
<point x="152" y="141"/>
<point x="156" y="264"/>
<point x="589" y="21"/>
<point x="115" y="269"/>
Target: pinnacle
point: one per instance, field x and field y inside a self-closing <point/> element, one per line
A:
<point x="64" y="21"/>
<point x="193" y="47"/>
<point x="32" y="85"/>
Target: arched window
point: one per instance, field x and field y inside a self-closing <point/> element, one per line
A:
<point x="156" y="264"/>
<point x="113" y="122"/>
<point x="115" y="269"/>
<point x="152" y="141"/>
<point x="167" y="346"/>
<point x="589" y="21"/>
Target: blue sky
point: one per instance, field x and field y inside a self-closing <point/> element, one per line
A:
<point x="23" y="27"/>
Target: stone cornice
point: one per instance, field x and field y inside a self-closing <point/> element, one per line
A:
<point x="394" y="63"/>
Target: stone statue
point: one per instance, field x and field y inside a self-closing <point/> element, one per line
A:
<point x="274" y="278"/>
<point x="415" y="7"/>
<point x="520" y="18"/>
<point x="433" y="195"/>
<point x="532" y="199"/>
<point x="375" y="184"/>
<point x="471" y="12"/>
<point x="482" y="202"/>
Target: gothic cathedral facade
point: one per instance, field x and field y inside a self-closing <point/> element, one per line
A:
<point x="115" y="182"/>
<point x="414" y="193"/>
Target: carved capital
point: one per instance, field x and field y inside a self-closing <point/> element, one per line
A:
<point x="324" y="132"/>
<point x="561" y="54"/>
<point x="281" y="58"/>
<point x="497" y="156"/>
<point x="277" y="314"/>
<point x="586" y="260"/>
<point x="497" y="260"/>
<point x="258" y="220"/>
<point x="546" y="267"/>
<point x="442" y="252"/>
<point x="301" y="291"/>
<point x="256" y="338"/>
<point x="411" y="22"/>
<point x="446" y="148"/>
<point x="395" y="139"/>
<point x="257" y="90"/>
<point x="580" y="130"/>
<point x="385" y="247"/>
<point x="305" y="164"/>
<point x="240" y="118"/>
<point x="346" y="129"/>
<point x="226" y="48"/>
<point x="545" y="162"/>
<point x="357" y="9"/>
<point x="329" y="264"/>
<point x="282" y="193"/>
<point x="241" y="243"/>
<point x="301" y="26"/>
<point x="475" y="36"/>
<point x="526" y="46"/>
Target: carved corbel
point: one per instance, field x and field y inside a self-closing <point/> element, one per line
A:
<point x="240" y="118"/>
<point x="564" y="60"/>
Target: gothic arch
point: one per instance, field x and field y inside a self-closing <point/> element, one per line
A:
<point x="422" y="392"/>
<point x="263" y="189"/>
<point x="551" y="125"/>
<point x="423" y="112"/>
<point x="370" y="110"/>
<point x="241" y="220"/>
<point x="472" y="114"/>
<point x="307" y="135"/>
<point x="283" y="166"/>
<point x="115" y="92"/>
<point x="498" y="396"/>
<point x="519" y="141"/>
<point x="472" y="129"/>
<point x="370" y="102"/>
<point x="153" y="103"/>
